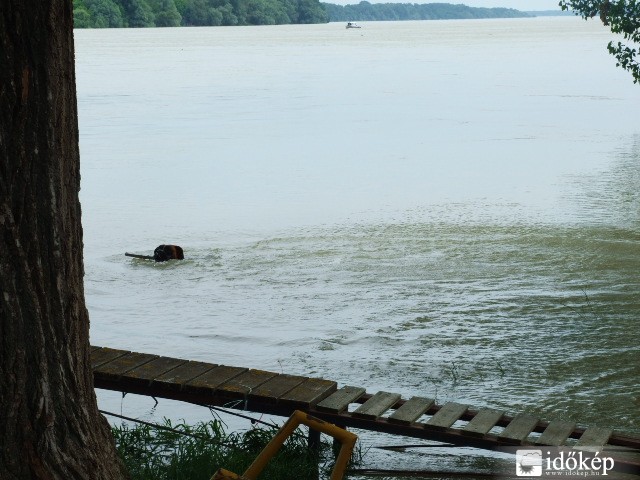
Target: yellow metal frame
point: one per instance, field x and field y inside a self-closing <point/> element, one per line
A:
<point x="346" y="438"/>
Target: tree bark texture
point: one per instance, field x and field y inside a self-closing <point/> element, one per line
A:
<point x="50" y="427"/>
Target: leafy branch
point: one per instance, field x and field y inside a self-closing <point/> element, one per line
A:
<point x="623" y="17"/>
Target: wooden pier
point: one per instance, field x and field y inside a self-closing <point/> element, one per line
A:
<point x="349" y="406"/>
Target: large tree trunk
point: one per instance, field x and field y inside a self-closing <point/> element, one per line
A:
<point x="50" y="426"/>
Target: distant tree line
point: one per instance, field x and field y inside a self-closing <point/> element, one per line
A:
<point x="365" y="11"/>
<point x="175" y="13"/>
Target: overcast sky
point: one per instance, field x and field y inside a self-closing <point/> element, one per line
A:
<point x="517" y="4"/>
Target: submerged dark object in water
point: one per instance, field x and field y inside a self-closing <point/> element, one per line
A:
<point x="162" y="253"/>
<point x="168" y="252"/>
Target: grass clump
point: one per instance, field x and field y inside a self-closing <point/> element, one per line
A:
<point x="196" y="452"/>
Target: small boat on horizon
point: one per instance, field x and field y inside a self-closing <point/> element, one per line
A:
<point x="352" y="25"/>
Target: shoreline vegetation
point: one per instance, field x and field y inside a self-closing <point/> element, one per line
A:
<point x="181" y="451"/>
<point x="176" y="13"/>
<point x="365" y="11"/>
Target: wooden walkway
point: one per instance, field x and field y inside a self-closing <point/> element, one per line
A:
<point x="281" y="394"/>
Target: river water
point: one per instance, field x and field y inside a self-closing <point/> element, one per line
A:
<point x="446" y="209"/>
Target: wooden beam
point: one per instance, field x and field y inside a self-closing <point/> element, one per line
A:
<point x="377" y="405"/>
<point x="340" y="400"/>
<point x="411" y="410"/>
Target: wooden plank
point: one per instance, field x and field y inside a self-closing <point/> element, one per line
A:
<point x="340" y="400"/>
<point x="245" y="382"/>
<point x="482" y="422"/>
<point x="377" y="405"/>
<point x="310" y="392"/>
<point x="273" y="389"/>
<point x="104" y="355"/>
<point x="556" y="433"/>
<point x="593" y="439"/>
<point x="448" y="414"/>
<point x="411" y="410"/>
<point x="213" y="378"/>
<point x="155" y="368"/>
<point x="519" y="428"/>
<point x="121" y="365"/>
<point x="176" y="379"/>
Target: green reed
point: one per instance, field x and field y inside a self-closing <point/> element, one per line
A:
<point x="196" y="452"/>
